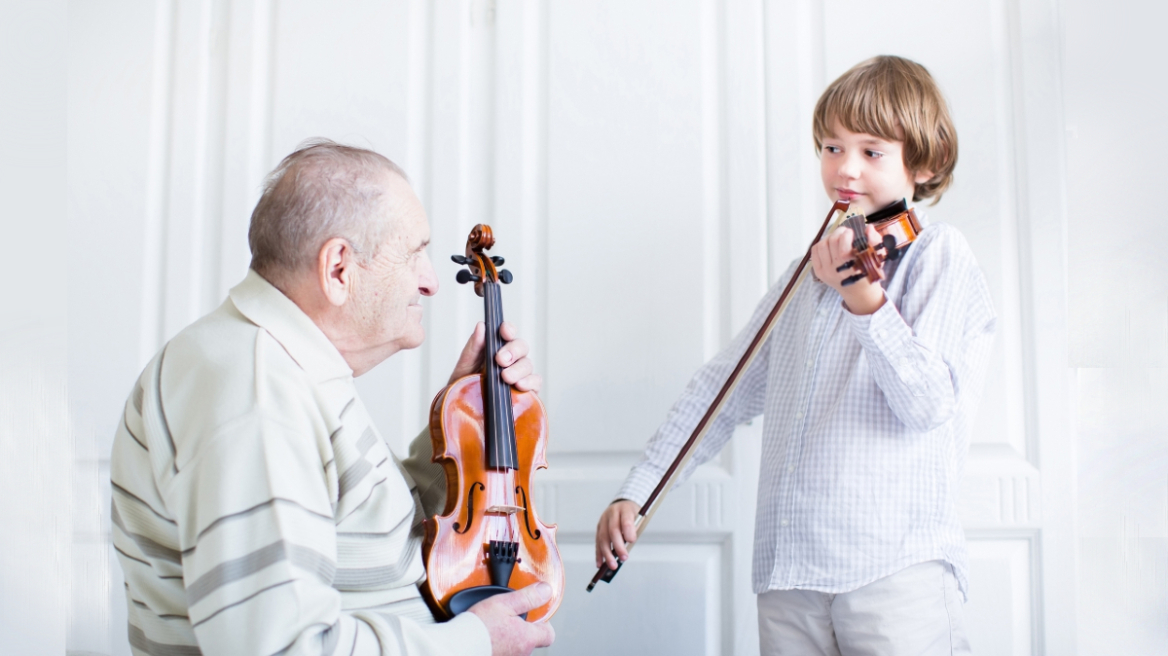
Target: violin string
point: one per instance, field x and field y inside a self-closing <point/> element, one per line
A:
<point x="502" y="396"/>
<point x="494" y="427"/>
<point x="493" y="394"/>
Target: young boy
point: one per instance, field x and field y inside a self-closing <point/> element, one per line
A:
<point x="868" y="392"/>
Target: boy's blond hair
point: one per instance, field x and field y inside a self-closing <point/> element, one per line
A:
<point x="897" y="100"/>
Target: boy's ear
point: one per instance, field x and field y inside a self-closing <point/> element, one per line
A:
<point x="922" y="177"/>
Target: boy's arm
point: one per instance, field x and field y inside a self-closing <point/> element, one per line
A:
<point x="746" y="403"/>
<point x="930" y="352"/>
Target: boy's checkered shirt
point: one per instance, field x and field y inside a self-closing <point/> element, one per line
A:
<point x="867" y="421"/>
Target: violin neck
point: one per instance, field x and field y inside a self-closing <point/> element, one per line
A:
<point x="497" y="409"/>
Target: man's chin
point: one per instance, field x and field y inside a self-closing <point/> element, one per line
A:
<point x="413" y="341"/>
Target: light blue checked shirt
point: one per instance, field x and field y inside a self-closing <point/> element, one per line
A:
<point x="867" y="422"/>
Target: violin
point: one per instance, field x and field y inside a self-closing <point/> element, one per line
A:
<point x="898" y="226"/>
<point x="489" y="439"/>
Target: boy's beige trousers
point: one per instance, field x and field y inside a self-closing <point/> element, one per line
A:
<point x="915" y="611"/>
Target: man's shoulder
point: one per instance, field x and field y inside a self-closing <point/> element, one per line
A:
<point x="219" y="368"/>
<point x="225" y="345"/>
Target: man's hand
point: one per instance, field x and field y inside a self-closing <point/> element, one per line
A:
<point x="517" y="367"/>
<point x="861" y="297"/>
<point x="511" y="635"/>
<point x="614" y="531"/>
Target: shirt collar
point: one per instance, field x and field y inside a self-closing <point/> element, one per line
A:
<point x="268" y="307"/>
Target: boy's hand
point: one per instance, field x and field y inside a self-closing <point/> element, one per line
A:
<point x="862" y="296"/>
<point x="518" y="369"/>
<point x="614" y="531"/>
<point x="512" y="635"/>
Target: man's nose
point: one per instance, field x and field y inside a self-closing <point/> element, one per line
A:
<point x="427" y="279"/>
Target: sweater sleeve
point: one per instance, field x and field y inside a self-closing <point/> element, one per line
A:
<point x="428" y="476"/>
<point x="259" y="573"/>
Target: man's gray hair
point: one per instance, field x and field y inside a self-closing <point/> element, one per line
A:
<point x="321" y="191"/>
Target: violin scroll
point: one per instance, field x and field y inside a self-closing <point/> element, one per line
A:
<point x="480" y="268"/>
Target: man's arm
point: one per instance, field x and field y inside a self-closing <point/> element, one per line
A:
<point x="255" y="509"/>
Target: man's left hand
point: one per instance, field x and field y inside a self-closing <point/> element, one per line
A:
<point x="518" y="369"/>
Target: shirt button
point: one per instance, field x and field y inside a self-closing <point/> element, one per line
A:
<point x="798" y="415"/>
<point x="810" y="363"/>
<point x="882" y="332"/>
<point x="791" y="468"/>
<point x="784" y="522"/>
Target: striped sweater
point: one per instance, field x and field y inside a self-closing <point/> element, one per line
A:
<point x="257" y="510"/>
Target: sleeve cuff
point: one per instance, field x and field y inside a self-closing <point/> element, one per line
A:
<point x="884" y="331"/>
<point x="638" y="485"/>
<point x="465" y="635"/>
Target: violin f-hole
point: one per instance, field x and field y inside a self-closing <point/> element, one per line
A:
<point x="469" y="508"/>
<point x="535" y="535"/>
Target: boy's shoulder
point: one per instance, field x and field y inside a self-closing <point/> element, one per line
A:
<point x="945" y="242"/>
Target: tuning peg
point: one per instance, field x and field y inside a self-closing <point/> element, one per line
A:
<point x="845" y="266"/>
<point x="852" y="280"/>
<point x="497" y="260"/>
<point x="505" y="276"/>
<point x="463" y="276"/>
<point x="891" y="252"/>
<point x="459" y="259"/>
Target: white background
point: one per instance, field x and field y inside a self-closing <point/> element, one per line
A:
<point x="648" y="169"/>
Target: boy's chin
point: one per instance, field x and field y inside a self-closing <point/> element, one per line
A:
<point x="866" y="205"/>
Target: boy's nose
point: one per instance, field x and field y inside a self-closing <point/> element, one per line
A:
<point x="849" y="168"/>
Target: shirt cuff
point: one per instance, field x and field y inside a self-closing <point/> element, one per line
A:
<point x="884" y="331"/>
<point x="639" y="485"/>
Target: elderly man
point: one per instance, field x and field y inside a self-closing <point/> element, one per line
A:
<point x="257" y="510"/>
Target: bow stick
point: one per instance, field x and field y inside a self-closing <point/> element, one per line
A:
<point x="699" y="433"/>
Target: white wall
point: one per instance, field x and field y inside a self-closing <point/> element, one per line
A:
<point x="1118" y="299"/>
<point x="35" y="444"/>
<point x="178" y="108"/>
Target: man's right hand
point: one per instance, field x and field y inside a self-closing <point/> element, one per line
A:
<point x="511" y="635"/>
<point x="615" y="532"/>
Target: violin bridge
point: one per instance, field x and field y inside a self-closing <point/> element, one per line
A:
<point x="504" y="510"/>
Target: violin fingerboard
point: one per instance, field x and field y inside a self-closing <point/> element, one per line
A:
<point x="859" y="232"/>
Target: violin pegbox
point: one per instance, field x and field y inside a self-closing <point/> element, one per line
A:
<point x="481" y="268"/>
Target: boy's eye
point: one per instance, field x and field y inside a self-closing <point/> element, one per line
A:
<point x="831" y="149"/>
<point x="875" y="154"/>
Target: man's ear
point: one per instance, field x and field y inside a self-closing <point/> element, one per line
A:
<point x="335" y="264"/>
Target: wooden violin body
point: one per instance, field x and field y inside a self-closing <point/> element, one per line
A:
<point x="457" y="542"/>
<point x="489" y="439"/>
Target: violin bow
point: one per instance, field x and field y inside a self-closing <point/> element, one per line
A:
<point x="651" y="504"/>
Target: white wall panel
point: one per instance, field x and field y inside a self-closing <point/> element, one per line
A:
<point x="1118" y="306"/>
<point x="1000" y="613"/>
<point x="675" y="589"/>
<point x="625" y="231"/>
